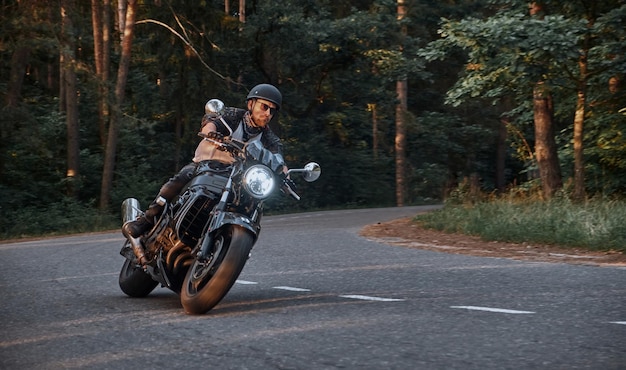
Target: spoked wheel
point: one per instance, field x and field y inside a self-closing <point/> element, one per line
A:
<point x="208" y="282"/>
<point x="134" y="282"/>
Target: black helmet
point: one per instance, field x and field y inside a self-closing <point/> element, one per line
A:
<point x="267" y="92"/>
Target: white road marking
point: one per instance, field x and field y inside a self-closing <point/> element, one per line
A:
<point x="368" y="298"/>
<point x="618" y="322"/>
<point x="491" y="309"/>
<point x="292" y="289"/>
<point x="245" y="282"/>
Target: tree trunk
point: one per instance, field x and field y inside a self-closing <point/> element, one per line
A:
<point x="401" y="114"/>
<point x="372" y="108"/>
<point x="579" y="166"/>
<point x="400" y="142"/>
<point x="19" y="61"/>
<point x="501" y="145"/>
<point x="106" y="68"/>
<point x="545" y="144"/>
<point x="242" y="11"/>
<point x="500" y="180"/>
<point x="62" y="87"/>
<point x="68" y="58"/>
<point x="121" y="17"/>
<point x="579" y="120"/>
<point x="100" y="19"/>
<point x="122" y="77"/>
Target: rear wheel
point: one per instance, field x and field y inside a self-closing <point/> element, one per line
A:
<point x="208" y="282"/>
<point x="134" y="282"/>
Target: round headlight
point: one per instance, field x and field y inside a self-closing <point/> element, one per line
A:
<point x="258" y="181"/>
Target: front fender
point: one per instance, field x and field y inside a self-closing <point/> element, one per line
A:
<point x="231" y="218"/>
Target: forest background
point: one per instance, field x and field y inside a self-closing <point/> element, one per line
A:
<point x="401" y="102"/>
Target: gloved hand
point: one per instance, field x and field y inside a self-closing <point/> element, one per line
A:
<point x="215" y="136"/>
<point x="209" y="117"/>
<point x="289" y="182"/>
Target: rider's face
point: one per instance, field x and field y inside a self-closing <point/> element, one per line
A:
<point x="261" y="111"/>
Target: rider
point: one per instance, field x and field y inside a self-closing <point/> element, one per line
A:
<point x="263" y="101"/>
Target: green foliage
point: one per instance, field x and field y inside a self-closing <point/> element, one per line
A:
<point x="55" y="218"/>
<point x="336" y="63"/>
<point x="33" y="163"/>
<point x="508" y="52"/>
<point x="597" y="224"/>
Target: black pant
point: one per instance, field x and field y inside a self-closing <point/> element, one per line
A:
<point x="169" y="190"/>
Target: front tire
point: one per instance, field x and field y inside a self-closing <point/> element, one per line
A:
<point x="134" y="282"/>
<point x="207" y="283"/>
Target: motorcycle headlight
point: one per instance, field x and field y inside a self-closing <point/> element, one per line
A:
<point x="258" y="181"/>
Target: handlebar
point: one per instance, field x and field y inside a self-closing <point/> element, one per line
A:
<point x="288" y="190"/>
<point x="229" y="146"/>
<point x="310" y="172"/>
<point x="210" y="139"/>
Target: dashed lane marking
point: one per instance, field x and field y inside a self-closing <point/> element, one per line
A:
<point x="368" y="298"/>
<point x="292" y="289"/>
<point x="618" y="322"/>
<point x="245" y="282"/>
<point x="491" y="309"/>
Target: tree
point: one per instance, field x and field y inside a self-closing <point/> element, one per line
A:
<point x="546" y="153"/>
<point x="24" y="11"/>
<point x="69" y="89"/>
<point x="127" y="31"/>
<point x="19" y="60"/>
<point x="401" y="117"/>
<point x="101" y="19"/>
<point x="545" y="144"/>
<point x="352" y="79"/>
<point x="508" y="53"/>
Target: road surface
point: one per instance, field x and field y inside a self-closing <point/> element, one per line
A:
<point x="314" y="295"/>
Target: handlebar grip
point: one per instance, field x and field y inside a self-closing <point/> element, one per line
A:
<point x="290" y="191"/>
<point x="213" y="140"/>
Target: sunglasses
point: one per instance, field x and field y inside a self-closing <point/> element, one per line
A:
<point x="265" y="107"/>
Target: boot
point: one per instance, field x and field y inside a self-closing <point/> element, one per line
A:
<point x="135" y="229"/>
<point x="132" y="230"/>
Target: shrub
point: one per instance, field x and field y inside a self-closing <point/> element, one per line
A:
<point x="596" y="224"/>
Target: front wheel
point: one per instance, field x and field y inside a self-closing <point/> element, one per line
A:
<point x="208" y="282"/>
<point x="134" y="282"/>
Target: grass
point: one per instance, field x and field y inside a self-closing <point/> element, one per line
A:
<point x="594" y="225"/>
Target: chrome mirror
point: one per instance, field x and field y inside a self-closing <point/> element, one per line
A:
<point x="312" y="172"/>
<point x="214" y="106"/>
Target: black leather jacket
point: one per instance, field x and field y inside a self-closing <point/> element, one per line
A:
<point x="236" y="116"/>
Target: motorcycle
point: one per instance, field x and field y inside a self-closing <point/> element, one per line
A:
<point x="203" y="238"/>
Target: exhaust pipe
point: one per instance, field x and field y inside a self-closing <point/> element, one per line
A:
<point x="130" y="210"/>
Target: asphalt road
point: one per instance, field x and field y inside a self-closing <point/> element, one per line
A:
<point x="315" y="295"/>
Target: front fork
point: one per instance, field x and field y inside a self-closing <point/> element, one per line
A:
<point x="216" y="219"/>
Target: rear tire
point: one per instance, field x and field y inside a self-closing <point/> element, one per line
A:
<point x="207" y="283"/>
<point x="134" y="282"/>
